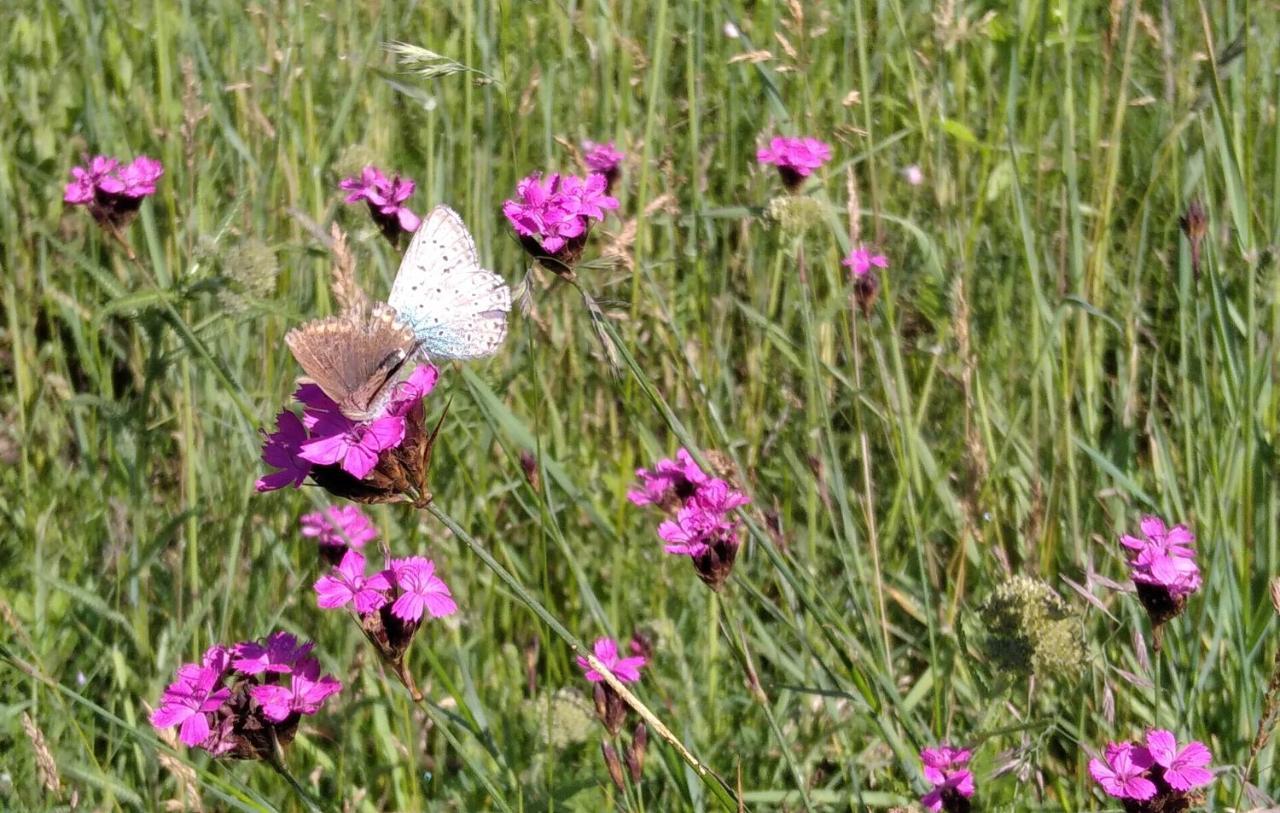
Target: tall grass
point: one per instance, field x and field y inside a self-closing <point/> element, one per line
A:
<point x="1043" y="367"/>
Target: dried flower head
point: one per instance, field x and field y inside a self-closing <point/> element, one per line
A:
<point x="795" y="158"/>
<point x="249" y="271"/>
<point x="1195" y="225"/>
<point x="794" y="214"/>
<point x="383" y="459"/>
<point x="386" y="201"/>
<point x="1030" y="631"/>
<point x="240" y="701"/>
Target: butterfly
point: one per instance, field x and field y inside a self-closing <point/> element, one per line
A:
<point x="1184" y="769"/>
<point x="456" y="308"/>
<point x="355" y="357"/>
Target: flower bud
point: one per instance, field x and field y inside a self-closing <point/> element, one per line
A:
<point x="614" y="765"/>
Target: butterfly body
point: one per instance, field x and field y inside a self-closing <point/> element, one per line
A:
<point x="456" y="308"/>
<point x="356" y="357"/>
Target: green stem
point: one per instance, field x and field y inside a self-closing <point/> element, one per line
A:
<point x="276" y="760"/>
<point x="718" y="787"/>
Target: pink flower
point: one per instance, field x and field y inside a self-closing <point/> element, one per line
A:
<point x="355" y="446"/>
<point x="306" y="692"/>
<point x="555" y="213"/>
<point x="278" y="653"/>
<point x="135" y="180"/>
<point x="944" y="770"/>
<point x="1122" y="772"/>
<point x="602" y="158"/>
<point x="113" y="192"/>
<point x="189" y="701"/>
<point x="1184" y="769"/>
<point x="326" y="437"/>
<point x="626" y="670"/>
<point x="795" y="158"/>
<point x="410" y="392"/>
<point x="340" y="526"/>
<point x="347" y="584"/>
<point x="860" y="261"/>
<point x="694" y="531"/>
<point x="942" y="759"/>
<point x="282" y="449"/>
<point x="1164" y="558"/>
<point x="385" y="199"/>
<point x="680" y="477"/>
<point x="85" y="180"/>
<point x="421" y="589"/>
<point x="913" y="175"/>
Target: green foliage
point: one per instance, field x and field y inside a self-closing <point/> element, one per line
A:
<point x="1043" y="365"/>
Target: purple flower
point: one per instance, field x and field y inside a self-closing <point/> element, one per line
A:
<point x="278" y="654"/>
<point x="701" y="524"/>
<point x="945" y="794"/>
<point x="553" y="215"/>
<point x="861" y="260"/>
<point x="347" y="584"/>
<point x="341" y="454"/>
<point x="626" y="670"/>
<point x="1164" y="557"/>
<point x="306" y="692"/>
<point x="385" y="199"/>
<point x="282" y="449"/>
<point x="602" y="158"/>
<point x="85" y="180"/>
<point x="1185" y="768"/>
<point x="189" y="701"/>
<point x="420" y="590"/>
<point x="679" y="478"/>
<point x="795" y="158"/>
<point x="1123" y="771"/>
<point x="135" y="180"/>
<point x="939" y="761"/>
<point x="339" y="526"/>
<point x="113" y="192"/>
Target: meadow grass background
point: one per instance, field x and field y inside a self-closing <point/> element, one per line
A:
<point x="1042" y="368"/>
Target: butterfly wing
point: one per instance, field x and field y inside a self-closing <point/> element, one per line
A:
<point x="457" y="308"/>
<point x="354" y="357"/>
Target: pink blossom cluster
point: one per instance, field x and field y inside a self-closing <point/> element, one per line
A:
<point x="113" y="192"/>
<point x="703" y="505"/>
<point x="795" y="158"/>
<point x="323" y="436"/>
<point x="234" y="691"/>
<point x="952" y="782"/>
<point x="408" y="588"/>
<point x="1156" y="771"/>
<point x="861" y="260"/>
<point x="557" y="210"/>
<point x="339" y="526"/>
<point x="386" y="200"/>
<point x="602" y="158"/>
<point x="1163" y="558"/>
<point x="106" y="176"/>
<point x="626" y="670"/>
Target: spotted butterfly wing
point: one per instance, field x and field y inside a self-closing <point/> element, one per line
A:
<point x="355" y="358"/>
<point x="457" y="309"/>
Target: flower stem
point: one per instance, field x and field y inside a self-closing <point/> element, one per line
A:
<point x="710" y="778"/>
<point x="276" y="760"/>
